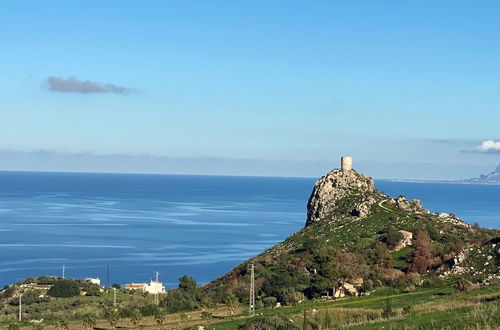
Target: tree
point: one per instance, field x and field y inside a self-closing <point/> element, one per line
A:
<point x="136" y="317"/>
<point x="116" y="286"/>
<point x="63" y="323"/>
<point x="64" y="288"/>
<point x="423" y="253"/>
<point x="111" y="315"/>
<point x="160" y="315"/>
<point x="187" y="283"/>
<point x="89" y="321"/>
<point x="231" y="303"/>
<point x="178" y="301"/>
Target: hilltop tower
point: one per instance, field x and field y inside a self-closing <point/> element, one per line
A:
<point x="346" y="163"/>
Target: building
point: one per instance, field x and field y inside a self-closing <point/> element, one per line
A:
<point x="135" y="286"/>
<point x="154" y="287"/>
<point x="346" y="163"/>
<point x="93" y="280"/>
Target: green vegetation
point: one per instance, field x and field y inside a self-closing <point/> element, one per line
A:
<point x="64" y="288"/>
<point x="343" y="270"/>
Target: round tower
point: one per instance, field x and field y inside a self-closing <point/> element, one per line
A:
<point x="346" y="163"/>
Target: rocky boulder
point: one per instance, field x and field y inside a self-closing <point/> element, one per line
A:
<point x="337" y="189"/>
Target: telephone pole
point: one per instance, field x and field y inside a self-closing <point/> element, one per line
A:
<point x="157" y="297"/>
<point x="114" y="297"/>
<point x="107" y="278"/>
<point x="63" y="270"/>
<point x="251" y="308"/>
<point x="20" y="307"/>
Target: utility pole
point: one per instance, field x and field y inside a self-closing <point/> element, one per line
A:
<point x="157" y="297"/>
<point x="20" y="308"/>
<point x="251" y="308"/>
<point x="114" y="297"/>
<point x="63" y="270"/>
<point x="107" y="278"/>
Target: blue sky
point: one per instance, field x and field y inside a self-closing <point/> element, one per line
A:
<point x="409" y="89"/>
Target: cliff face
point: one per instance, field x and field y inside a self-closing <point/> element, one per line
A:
<point x="339" y="190"/>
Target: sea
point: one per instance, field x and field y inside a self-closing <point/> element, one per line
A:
<point x="123" y="228"/>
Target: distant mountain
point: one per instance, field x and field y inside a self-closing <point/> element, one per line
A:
<point x="490" y="178"/>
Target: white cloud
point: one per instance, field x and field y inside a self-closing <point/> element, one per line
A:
<point x="488" y="146"/>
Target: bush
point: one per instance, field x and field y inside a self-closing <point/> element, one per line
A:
<point x="8" y="292"/>
<point x="394" y="237"/>
<point x="269" y="302"/>
<point x="91" y="289"/>
<point x="178" y="301"/>
<point x="13" y="326"/>
<point x="64" y="289"/>
<point x="387" y="311"/>
<point x="463" y="285"/>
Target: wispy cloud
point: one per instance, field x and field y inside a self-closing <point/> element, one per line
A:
<point x="75" y="85"/>
<point x="488" y="146"/>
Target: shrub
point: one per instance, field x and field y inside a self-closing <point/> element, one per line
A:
<point x="178" y="301"/>
<point x="414" y="278"/>
<point x="269" y="302"/>
<point x="91" y="289"/>
<point x="64" y="288"/>
<point x="160" y="315"/>
<point x="13" y="326"/>
<point x="136" y="317"/>
<point x="89" y="321"/>
<point x="8" y="292"/>
<point x="387" y="310"/>
<point x="394" y="237"/>
<point x="463" y="285"/>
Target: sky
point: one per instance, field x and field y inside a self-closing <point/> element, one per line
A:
<point x="409" y="89"/>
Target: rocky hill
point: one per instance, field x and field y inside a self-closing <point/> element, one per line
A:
<point x="356" y="239"/>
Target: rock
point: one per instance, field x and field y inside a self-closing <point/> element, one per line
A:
<point x="406" y="241"/>
<point x="336" y="186"/>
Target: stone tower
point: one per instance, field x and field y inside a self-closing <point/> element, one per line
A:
<point x="346" y="163"/>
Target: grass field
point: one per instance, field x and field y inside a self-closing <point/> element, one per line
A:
<point x="426" y="308"/>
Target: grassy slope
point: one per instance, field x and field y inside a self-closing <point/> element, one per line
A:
<point x="431" y="308"/>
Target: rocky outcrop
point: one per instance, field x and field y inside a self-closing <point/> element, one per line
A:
<point x="406" y="241"/>
<point x="337" y="190"/>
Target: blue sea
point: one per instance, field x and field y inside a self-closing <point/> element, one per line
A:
<point x="175" y="224"/>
